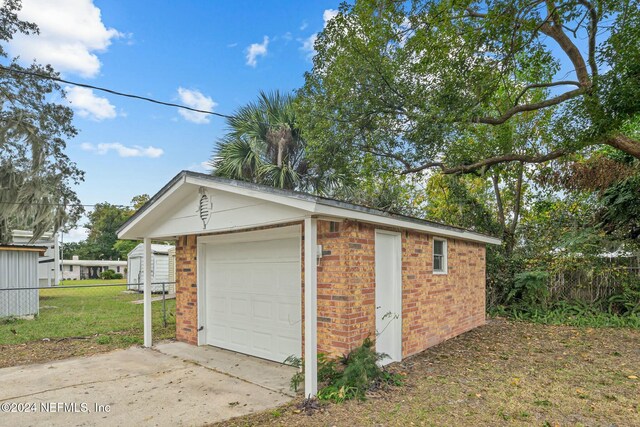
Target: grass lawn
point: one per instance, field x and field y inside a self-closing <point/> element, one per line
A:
<point x="82" y="320"/>
<point x="504" y="373"/>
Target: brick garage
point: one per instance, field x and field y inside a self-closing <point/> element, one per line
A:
<point x="243" y="279"/>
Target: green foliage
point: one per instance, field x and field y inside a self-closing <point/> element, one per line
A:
<point x="415" y="82"/>
<point x="620" y="208"/>
<point x="627" y="301"/>
<point x="104" y="221"/>
<point x="355" y="375"/>
<point x="264" y="145"/>
<point x="110" y="275"/>
<point x="123" y="247"/>
<point x="530" y="289"/>
<point x="102" y="242"/>
<point x="327" y="370"/>
<point x="569" y="313"/>
<point x="36" y="176"/>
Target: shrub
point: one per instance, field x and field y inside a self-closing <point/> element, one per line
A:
<point x="108" y="275"/>
<point x="117" y="276"/>
<point x="352" y="377"/>
<point x="529" y="289"/>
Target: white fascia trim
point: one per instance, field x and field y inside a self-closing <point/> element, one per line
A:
<point x="393" y="222"/>
<point x="123" y="234"/>
<point x="305" y="205"/>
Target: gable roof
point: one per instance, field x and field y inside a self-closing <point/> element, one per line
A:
<point x="311" y="204"/>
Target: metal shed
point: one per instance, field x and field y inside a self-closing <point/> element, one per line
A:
<point x="18" y="277"/>
<point x="159" y="268"/>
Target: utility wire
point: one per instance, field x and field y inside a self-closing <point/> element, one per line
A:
<point x="113" y="92"/>
<point x="62" y="205"/>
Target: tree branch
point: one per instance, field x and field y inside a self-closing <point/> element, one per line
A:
<point x="593" y="30"/>
<point x="530" y="107"/>
<point x="557" y="33"/>
<point x="544" y="85"/>
<point x="518" y="198"/>
<point x="496" y="190"/>
<point x="487" y="163"/>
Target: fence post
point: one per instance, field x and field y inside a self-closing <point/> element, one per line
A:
<point x="164" y="306"/>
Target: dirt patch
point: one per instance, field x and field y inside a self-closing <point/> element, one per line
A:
<point x="504" y="373"/>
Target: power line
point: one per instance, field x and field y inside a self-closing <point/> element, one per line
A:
<point x="113" y="92"/>
<point x="63" y="205"/>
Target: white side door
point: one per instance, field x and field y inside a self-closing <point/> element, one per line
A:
<point x="388" y="295"/>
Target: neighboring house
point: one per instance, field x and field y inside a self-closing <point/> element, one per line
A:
<point x="48" y="261"/>
<point x="81" y="269"/>
<point x="159" y="268"/>
<point x="274" y="273"/>
<point x="18" y="278"/>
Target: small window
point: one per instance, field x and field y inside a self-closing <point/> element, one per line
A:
<point x="118" y="269"/>
<point x="439" y="256"/>
<point x="71" y="268"/>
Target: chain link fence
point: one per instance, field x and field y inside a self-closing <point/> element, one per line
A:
<point x="108" y="313"/>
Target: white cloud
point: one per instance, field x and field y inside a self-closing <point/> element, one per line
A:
<point x="304" y="25"/>
<point x="255" y="50"/>
<point x="200" y="167"/>
<point x="195" y="99"/>
<point x="328" y="15"/>
<point x="76" y="234"/>
<point x="88" y="105"/>
<point x="71" y="33"/>
<point x="308" y="43"/>
<point x="123" y="150"/>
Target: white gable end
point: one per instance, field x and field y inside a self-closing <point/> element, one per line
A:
<point x="196" y="210"/>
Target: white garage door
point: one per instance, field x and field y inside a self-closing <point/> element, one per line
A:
<point x="253" y="297"/>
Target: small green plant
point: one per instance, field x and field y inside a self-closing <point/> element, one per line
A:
<point x="351" y="377"/>
<point x="104" y="339"/>
<point x="108" y="275"/>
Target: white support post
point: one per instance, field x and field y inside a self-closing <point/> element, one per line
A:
<point x="148" y="338"/>
<point x="56" y="260"/>
<point x="310" y="307"/>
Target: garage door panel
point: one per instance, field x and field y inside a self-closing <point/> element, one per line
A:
<point x="253" y="297"/>
<point x="262" y="310"/>
<point x="239" y="306"/>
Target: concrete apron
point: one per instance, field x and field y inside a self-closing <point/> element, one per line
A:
<point x="175" y="384"/>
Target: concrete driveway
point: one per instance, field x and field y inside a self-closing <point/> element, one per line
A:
<point x="172" y="384"/>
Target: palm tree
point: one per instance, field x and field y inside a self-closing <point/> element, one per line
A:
<point x="263" y="145"/>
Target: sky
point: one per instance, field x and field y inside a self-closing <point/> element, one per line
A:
<point x="210" y="55"/>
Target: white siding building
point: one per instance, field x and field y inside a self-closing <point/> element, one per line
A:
<point x="80" y="269"/>
<point x="159" y="268"/>
<point x="48" y="261"/>
<point x="18" y="278"/>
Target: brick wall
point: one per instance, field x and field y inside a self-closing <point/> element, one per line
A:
<point x="435" y="307"/>
<point x="438" y="307"/>
<point x="186" y="291"/>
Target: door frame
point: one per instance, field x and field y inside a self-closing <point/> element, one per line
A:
<point x="395" y="355"/>
<point x="202" y="242"/>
